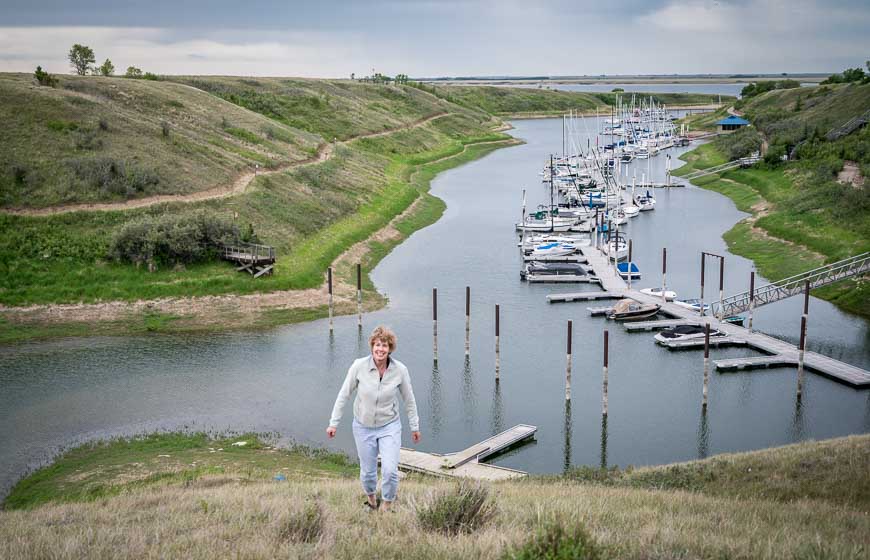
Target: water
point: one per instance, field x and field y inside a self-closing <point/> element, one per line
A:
<point x="656" y="87"/>
<point x="285" y="381"/>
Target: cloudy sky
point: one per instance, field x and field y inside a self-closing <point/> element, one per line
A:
<point x="439" y="37"/>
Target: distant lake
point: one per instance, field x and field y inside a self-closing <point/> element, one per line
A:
<point x="712" y="88"/>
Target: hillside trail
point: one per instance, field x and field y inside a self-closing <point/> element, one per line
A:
<point x="238" y="186"/>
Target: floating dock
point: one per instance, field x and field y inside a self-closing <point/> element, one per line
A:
<point x="468" y="462"/>
<point x="777" y="352"/>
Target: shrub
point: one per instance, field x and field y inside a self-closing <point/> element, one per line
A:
<point x="774" y="154"/>
<point x="150" y="76"/>
<point x="164" y="127"/>
<point x="44" y="78"/>
<point x="112" y="175"/>
<point x="303" y="526"/>
<point x="87" y="140"/>
<point x="133" y="72"/>
<point x="740" y="143"/>
<point x="555" y="541"/>
<point x="104" y="124"/>
<point x="462" y="509"/>
<point x="171" y="239"/>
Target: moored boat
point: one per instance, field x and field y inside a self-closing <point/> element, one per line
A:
<point x="623" y="270"/>
<point x="684" y="332"/>
<point x="631" y="310"/>
<point x="657" y="292"/>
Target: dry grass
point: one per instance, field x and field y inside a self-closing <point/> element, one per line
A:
<point x="219" y="517"/>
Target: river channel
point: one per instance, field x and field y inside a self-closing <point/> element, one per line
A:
<point x="284" y="381"/>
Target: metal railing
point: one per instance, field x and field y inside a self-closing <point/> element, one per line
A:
<point x="853" y="266"/>
<point x="848" y="127"/>
<point x="742" y="162"/>
<point x="248" y="252"/>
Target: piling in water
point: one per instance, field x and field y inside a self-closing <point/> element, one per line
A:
<point x="497" y="352"/>
<point x="359" y="294"/>
<point x="800" y="382"/>
<point x="329" y="285"/>
<point x="604" y="383"/>
<point x="751" y="297"/>
<point x="568" y="369"/>
<point x="435" y="324"/>
<point x="467" y="320"/>
<point x="664" y="273"/>
<point x="706" y="364"/>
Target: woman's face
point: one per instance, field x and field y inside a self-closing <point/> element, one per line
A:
<point x="380" y="349"/>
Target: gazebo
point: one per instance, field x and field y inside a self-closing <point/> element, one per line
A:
<point x="731" y="124"/>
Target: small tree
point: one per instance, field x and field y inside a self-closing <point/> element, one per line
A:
<point x="107" y="68"/>
<point x="352" y="75"/>
<point x="133" y="72"/>
<point x="81" y="58"/>
<point x="44" y="78"/>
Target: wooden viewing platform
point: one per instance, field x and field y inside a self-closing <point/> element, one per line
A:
<point x="255" y="259"/>
<point x="468" y="462"/>
<point x="777" y="352"/>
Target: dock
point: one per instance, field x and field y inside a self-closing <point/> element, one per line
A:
<point x="581" y="296"/>
<point x="777" y="353"/>
<point x="698" y="343"/>
<point x="468" y="463"/>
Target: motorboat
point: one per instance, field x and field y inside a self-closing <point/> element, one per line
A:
<point x="553" y="250"/>
<point x="684" y="332"/>
<point x="555" y="272"/>
<point x="623" y="270"/>
<point x="645" y="201"/>
<point x="694" y="304"/>
<point x="631" y="310"/>
<point x="616" y="249"/>
<point x="533" y="241"/>
<point x="657" y="292"/>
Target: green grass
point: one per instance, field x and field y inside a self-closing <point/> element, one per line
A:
<point x="108" y="468"/>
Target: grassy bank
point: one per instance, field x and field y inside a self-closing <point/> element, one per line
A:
<point x="802" y="216"/>
<point x="178" y="495"/>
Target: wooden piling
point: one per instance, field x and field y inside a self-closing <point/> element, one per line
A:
<point x="568" y="369"/>
<point x="467" y="320"/>
<point x="706" y="364"/>
<point x="329" y="287"/>
<point x="664" y="273"/>
<point x="435" y="324"/>
<point x="497" y="351"/>
<point x="703" y="262"/>
<point x="604" y="383"/>
<point x="800" y="383"/>
<point x="751" y="297"/>
<point x="721" y="287"/>
<point x="359" y="294"/>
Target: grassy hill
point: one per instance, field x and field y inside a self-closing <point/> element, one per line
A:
<point x="803" y="216"/>
<point x="519" y="102"/>
<point x="183" y="495"/>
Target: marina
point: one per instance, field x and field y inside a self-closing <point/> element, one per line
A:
<point x="125" y="385"/>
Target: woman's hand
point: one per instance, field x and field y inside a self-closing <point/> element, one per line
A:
<point x="330" y="431"/>
<point x="416" y="436"/>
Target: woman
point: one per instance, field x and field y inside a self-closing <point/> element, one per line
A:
<point x="378" y="379"/>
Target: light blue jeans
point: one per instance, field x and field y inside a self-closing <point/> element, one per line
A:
<point x="385" y="440"/>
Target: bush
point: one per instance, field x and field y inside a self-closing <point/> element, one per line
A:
<point x="113" y="176"/>
<point x="462" y="509"/>
<point x="87" y="140"/>
<point x="740" y="143"/>
<point x="164" y="128"/>
<point x="44" y="78"/>
<point x="774" y="154"/>
<point x="555" y="541"/>
<point x="133" y="72"/>
<point x="304" y="526"/>
<point x="172" y="239"/>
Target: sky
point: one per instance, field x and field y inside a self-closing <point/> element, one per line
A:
<point x="428" y="38"/>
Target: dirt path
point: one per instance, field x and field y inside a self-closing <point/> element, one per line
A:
<point x="851" y="175"/>
<point x="238" y="186"/>
<point x="243" y="309"/>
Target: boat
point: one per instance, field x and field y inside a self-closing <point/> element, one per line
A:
<point x="533" y="241"/>
<point x="616" y="249"/>
<point x="684" y="332"/>
<point x="645" y="202"/>
<point x="657" y="292"/>
<point x="555" y="272"/>
<point x="631" y="211"/>
<point x="622" y="270"/>
<point x="694" y="304"/>
<point x="631" y="310"/>
<point x="553" y="250"/>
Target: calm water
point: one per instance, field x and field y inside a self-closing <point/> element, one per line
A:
<point x="285" y="381"/>
<point x="714" y="88"/>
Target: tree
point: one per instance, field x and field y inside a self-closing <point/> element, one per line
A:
<point x="133" y="72"/>
<point x="107" y="68"/>
<point x="351" y="75"/>
<point x="81" y="58"/>
<point x="44" y="78"/>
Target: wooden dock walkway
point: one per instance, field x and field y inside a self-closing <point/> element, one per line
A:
<point x="468" y="462"/>
<point x="698" y="343"/>
<point x="658" y="325"/>
<point x="777" y="352"/>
